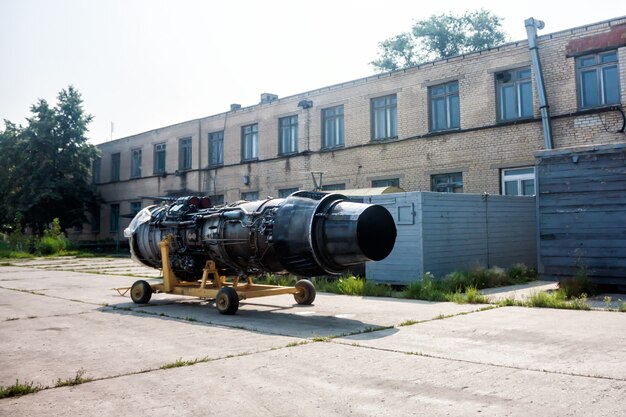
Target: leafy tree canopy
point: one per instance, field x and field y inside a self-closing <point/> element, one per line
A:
<point x="440" y="36"/>
<point x="46" y="165"/>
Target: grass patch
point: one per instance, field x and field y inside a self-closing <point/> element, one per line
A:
<point x="179" y="363"/>
<point x="549" y="299"/>
<point x="78" y="379"/>
<point x="18" y="389"/>
<point x="408" y="323"/>
<point x="320" y="339"/>
<point x="294" y="344"/>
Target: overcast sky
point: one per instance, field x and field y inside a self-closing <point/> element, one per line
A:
<point x="144" y="64"/>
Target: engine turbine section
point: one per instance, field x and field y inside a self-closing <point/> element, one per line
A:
<point x="306" y="234"/>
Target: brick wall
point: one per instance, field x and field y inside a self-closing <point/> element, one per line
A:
<point x="479" y="149"/>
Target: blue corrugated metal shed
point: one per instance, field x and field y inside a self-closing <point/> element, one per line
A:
<point x="440" y="233"/>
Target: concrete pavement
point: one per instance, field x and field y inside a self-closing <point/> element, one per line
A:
<point x="341" y="356"/>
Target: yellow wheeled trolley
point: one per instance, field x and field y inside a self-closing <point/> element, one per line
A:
<point x="212" y="286"/>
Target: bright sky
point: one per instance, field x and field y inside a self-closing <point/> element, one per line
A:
<point x="144" y="64"/>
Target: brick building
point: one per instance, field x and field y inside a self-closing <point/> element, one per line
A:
<point x="468" y="124"/>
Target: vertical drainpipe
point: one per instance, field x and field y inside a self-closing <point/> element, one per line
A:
<point x="199" y="157"/>
<point x="531" y="31"/>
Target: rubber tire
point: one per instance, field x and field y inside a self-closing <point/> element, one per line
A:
<point x="141" y="292"/>
<point x="307" y="292"/>
<point x="227" y="301"/>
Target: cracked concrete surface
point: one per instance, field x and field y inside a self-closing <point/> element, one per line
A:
<point x="341" y="356"/>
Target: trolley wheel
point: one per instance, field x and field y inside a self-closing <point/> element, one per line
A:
<point x="227" y="301"/>
<point x="306" y="295"/>
<point x="141" y="292"/>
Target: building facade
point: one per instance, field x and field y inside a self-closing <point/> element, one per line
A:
<point x="467" y="124"/>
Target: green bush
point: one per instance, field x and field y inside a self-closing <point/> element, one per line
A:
<point x="48" y="245"/>
<point x="53" y="240"/>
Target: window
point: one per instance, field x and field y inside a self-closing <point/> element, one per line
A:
<point x="384" y="117"/>
<point x="287" y="135"/>
<point x="115" y="167"/>
<point x="286" y="192"/>
<point x="332" y="127"/>
<point x="515" y="94"/>
<point x="135" y="163"/>
<point x="114" y="218"/>
<point x="598" y="80"/>
<point x="216" y="149"/>
<point x="159" y="158"/>
<point x="447" y="183"/>
<point x="95" y="220"/>
<point x="184" y="153"/>
<point x="250" y="196"/>
<point x="250" y="142"/>
<point x="444" y="107"/>
<point x="95" y="170"/>
<point x="217" y="199"/>
<point x="333" y="187"/>
<point x="393" y="182"/>
<point x="135" y="207"/>
<point x="518" y="181"/>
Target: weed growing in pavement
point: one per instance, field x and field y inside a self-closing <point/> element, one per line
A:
<point x="18" y="389"/>
<point x="621" y="307"/>
<point x="78" y="379"/>
<point x="578" y="285"/>
<point x="179" y="363"/>
<point x="551" y="299"/>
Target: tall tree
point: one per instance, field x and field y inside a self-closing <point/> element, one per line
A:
<point x="440" y="36"/>
<point x="48" y="164"/>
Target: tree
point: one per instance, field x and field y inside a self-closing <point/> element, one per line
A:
<point x="46" y="165"/>
<point x="438" y="37"/>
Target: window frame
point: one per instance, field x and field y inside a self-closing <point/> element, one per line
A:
<point x="185" y="153"/>
<point x="115" y="166"/>
<point x="156" y="153"/>
<point x="216" y="139"/>
<point x="518" y="178"/>
<point x="96" y="170"/>
<point x="517" y="83"/>
<point x="446" y="96"/>
<point x="135" y="165"/>
<point x="387" y="182"/>
<point x="288" y="135"/>
<point x="598" y="68"/>
<point x="334" y="187"/>
<point x="114" y="218"/>
<point x="246" y="194"/>
<point x="389" y="108"/>
<point x="286" y="192"/>
<point x="133" y="207"/>
<point x="217" y="199"/>
<point x="333" y="121"/>
<point x="253" y="137"/>
<point x="451" y="185"/>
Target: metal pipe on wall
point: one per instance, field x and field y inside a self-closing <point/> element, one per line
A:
<point x="531" y="31"/>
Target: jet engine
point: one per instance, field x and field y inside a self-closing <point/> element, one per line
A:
<point x="306" y="234"/>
